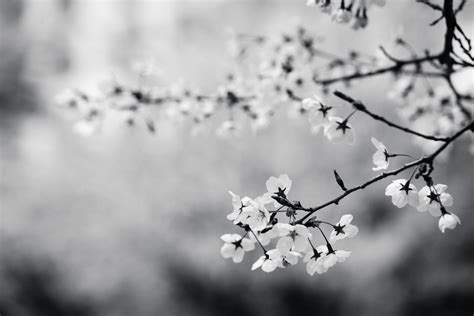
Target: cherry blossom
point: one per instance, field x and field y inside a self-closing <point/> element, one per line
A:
<point x="448" y="220"/>
<point x="282" y="184"/>
<point x="313" y="260"/>
<point x="380" y="158"/>
<point x="432" y="198"/>
<point x="268" y="262"/>
<point x="330" y="257"/>
<point x="288" y="258"/>
<point x="235" y="246"/>
<point x="293" y="237"/>
<point x="318" y="113"/>
<point x="343" y="229"/>
<point x="402" y="192"/>
<point x="239" y="205"/>
<point x="339" y="130"/>
<point x="256" y="215"/>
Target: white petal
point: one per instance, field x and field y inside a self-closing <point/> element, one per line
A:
<point x="300" y="243"/>
<point x="284" y="244"/>
<point x="378" y="144"/>
<point x="258" y="263"/>
<point x="351" y="231"/>
<point x="303" y="231"/>
<point x="229" y="238"/>
<point x="269" y="266"/>
<point x="248" y="244"/>
<point x="227" y="250"/>
<point x="346" y="219"/>
<point x="238" y="255"/>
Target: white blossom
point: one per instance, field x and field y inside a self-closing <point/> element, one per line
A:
<point x="402" y="193"/>
<point x="280" y="184"/>
<point x="292" y="237"/>
<point x="380" y="157"/>
<point x="344" y="229"/>
<point x="239" y="205"/>
<point x="268" y="262"/>
<point x="339" y="130"/>
<point x="429" y="199"/>
<point x="330" y="258"/>
<point x="235" y="246"/>
<point x="318" y="113"/>
<point x="256" y="215"/>
<point x="313" y="260"/>
<point x="448" y="220"/>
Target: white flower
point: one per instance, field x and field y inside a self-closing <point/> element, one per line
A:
<point x="344" y="229"/>
<point x="339" y="130"/>
<point x="380" y="158"/>
<point x="288" y="258"/>
<point x="256" y="215"/>
<point x="269" y="262"/>
<point x="239" y="205"/>
<point x="293" y="237"/>
<point x="448" y="220"/>
<point x="313" y="261"/>
<point x="235" y="246"/>
<point x="429" y="199"/>
<point x="330" y="258"/>
<point x="277" y="185"/>
<point x="318" y="113"/>
<point x="402" y="193"/>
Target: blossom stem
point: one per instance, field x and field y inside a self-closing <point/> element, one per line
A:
<point x="400" y="155"/>
<point x="412" y="174"/>
<point x="327" y="223"/>
<point x="327" y="241"/>
<point x="258" y="240"/>
<point x="349" y="116"/>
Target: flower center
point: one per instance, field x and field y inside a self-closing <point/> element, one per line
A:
<point x="342" y="126"/>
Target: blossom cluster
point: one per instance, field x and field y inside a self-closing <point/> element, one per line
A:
<point x="274" y="72"/>
<point x="431" y="197"/>
<point x="293" y="241"/>
<point x="347" y="11"/>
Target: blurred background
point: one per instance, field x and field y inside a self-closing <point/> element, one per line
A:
<point x="128" y="223"/>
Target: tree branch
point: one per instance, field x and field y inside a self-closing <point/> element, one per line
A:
<point x="362" y="108"/>
<point x="423" y="160"/>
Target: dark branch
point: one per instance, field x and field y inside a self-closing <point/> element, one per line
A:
<point x="362" y="108"/>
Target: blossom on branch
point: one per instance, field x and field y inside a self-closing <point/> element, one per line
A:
<point x="380" y="157"/>
<point x="292" y="237"/>
<point x="343" y="229"/>
<point x="402" y="192"/>
<point x="235" y="246"/>
<point x="339" y="130"/>
<point x="268" y="262"/>
<point x="433" y="198"/>
<point x="448" y="220"/>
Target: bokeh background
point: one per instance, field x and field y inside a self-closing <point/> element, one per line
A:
<point x="128" y="223"/>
